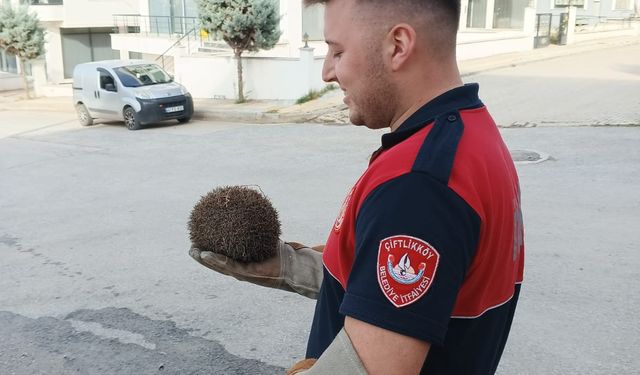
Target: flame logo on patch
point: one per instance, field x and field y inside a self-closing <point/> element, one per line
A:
<point x="409" y="278"/>
<point x="403" y="272"/>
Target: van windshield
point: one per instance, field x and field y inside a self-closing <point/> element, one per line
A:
<point x="142" y="75"/>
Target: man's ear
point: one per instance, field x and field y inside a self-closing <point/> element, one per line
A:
<point x="400" y="45"/>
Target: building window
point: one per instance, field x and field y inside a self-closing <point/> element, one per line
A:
<point x="8" y="63"/>
<point x="477" y="14"/>
<point x="509" y="14"/>
<point x="623" y="5"/>
<point x="313" y="21"/>
<point x="172" y="16"/>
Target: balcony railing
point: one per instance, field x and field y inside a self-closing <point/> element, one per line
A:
<point x="41" y="2"/>
<point x="155" y="25"/>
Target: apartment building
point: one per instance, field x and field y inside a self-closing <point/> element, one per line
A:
<point x="76" y="31"/>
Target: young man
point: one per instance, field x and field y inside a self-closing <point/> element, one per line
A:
<point x="422" y="268"/>
<point x="423" y="265"/>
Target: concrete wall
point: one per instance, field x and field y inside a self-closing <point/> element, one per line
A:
<point x="477" y="45"/>
<point x="53" y="52"/>
<point x="632" y="30"/>
<point x="264" y="78"/>
<point x="47" y="13"/>
<point x="10" y="82"/>
<point x="83" y="13"/>
<point x="95" y="13"/>
<point x="140" y="43"/>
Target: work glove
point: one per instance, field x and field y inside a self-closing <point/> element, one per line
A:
<point x="295" y="268"/>
<point x="301" y="366"/>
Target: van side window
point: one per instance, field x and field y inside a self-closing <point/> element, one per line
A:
<point x="106" y="81"/>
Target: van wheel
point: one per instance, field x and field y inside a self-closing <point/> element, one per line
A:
<point x="83" y="115"/>
<point x="184" y="120"/>
<point x="131" y="119"/>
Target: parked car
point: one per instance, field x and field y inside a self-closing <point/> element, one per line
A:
<point x="136" y="91"/>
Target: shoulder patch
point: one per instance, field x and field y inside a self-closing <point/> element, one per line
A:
<point x="406" y="268"/>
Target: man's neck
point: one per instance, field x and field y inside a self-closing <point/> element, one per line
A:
<point x="421" y="95"/>
<point x="418" y="103"/>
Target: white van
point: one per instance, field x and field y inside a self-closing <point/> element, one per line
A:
<point x="136" y="91"/>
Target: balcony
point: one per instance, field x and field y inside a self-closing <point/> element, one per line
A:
<point x="164" y="26"/>
<point x="41" y="2"/>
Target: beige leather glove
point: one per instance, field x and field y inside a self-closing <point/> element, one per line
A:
<point x="301" y="366"/>
<point x="295" y="268"/>
<point x="339" y="358"/>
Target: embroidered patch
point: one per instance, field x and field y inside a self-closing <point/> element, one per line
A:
<point x="406" y="268"/>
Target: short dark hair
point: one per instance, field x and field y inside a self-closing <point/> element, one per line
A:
<point x="439" y="17"/>
<point x="447" y="11"/>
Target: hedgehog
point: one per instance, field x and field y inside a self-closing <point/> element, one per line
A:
<point x="236" y="221"/>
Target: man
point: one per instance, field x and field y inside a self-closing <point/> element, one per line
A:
<point x="423" y="265"/>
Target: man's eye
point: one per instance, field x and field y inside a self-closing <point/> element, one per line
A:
<point x="337" y="54"/>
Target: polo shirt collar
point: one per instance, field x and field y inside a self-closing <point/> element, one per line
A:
<point x="462" y="97"/>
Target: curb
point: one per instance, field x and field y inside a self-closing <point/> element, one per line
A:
<point x="315" y="116"/>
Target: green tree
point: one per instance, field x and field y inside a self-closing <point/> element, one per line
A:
<point x="22" y="36"/>
<point x="245" y="25"/>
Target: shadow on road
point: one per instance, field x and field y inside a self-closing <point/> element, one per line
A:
<point x="114" y="341"/>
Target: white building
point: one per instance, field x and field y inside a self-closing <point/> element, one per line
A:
<point x="289" y="71"/>
<point x="76" y="31"/>
<point x="167" y="31"/>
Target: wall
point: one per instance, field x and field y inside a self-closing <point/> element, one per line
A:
<point x="265" y="78"/>
<point x="76" y="12"/>
<point x="476" y="45"/>
<point x="53" y="52"/>
<point x="140" y="43"/>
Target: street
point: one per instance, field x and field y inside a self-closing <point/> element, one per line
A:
<point x="96" y="279"/>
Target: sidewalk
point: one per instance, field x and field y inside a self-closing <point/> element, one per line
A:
<point x="329" y="108"/>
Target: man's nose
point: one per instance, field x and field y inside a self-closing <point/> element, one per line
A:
<point x="328" y="71"/>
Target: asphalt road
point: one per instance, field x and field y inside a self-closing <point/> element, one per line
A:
<point x="95" y="276"/>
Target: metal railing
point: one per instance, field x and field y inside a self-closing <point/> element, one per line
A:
<point x="42" y="2"/>
<point x="586" y="23"/>
<point x="176" y="43"/>
<point x="171" y="26"/>
<point x="180" y="28"/>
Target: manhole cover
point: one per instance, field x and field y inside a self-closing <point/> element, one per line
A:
<point x="528" y="156"/>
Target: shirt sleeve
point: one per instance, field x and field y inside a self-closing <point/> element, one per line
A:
<point x="415" y="239"/>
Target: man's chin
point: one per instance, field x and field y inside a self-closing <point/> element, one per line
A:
<point x="358" y="120"/>
<point x="355" y="118"/>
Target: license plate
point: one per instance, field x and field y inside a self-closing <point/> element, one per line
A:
<point x="174" y="109"/>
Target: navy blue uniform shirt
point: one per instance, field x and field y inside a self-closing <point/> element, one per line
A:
<point x="429" y="241"/>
